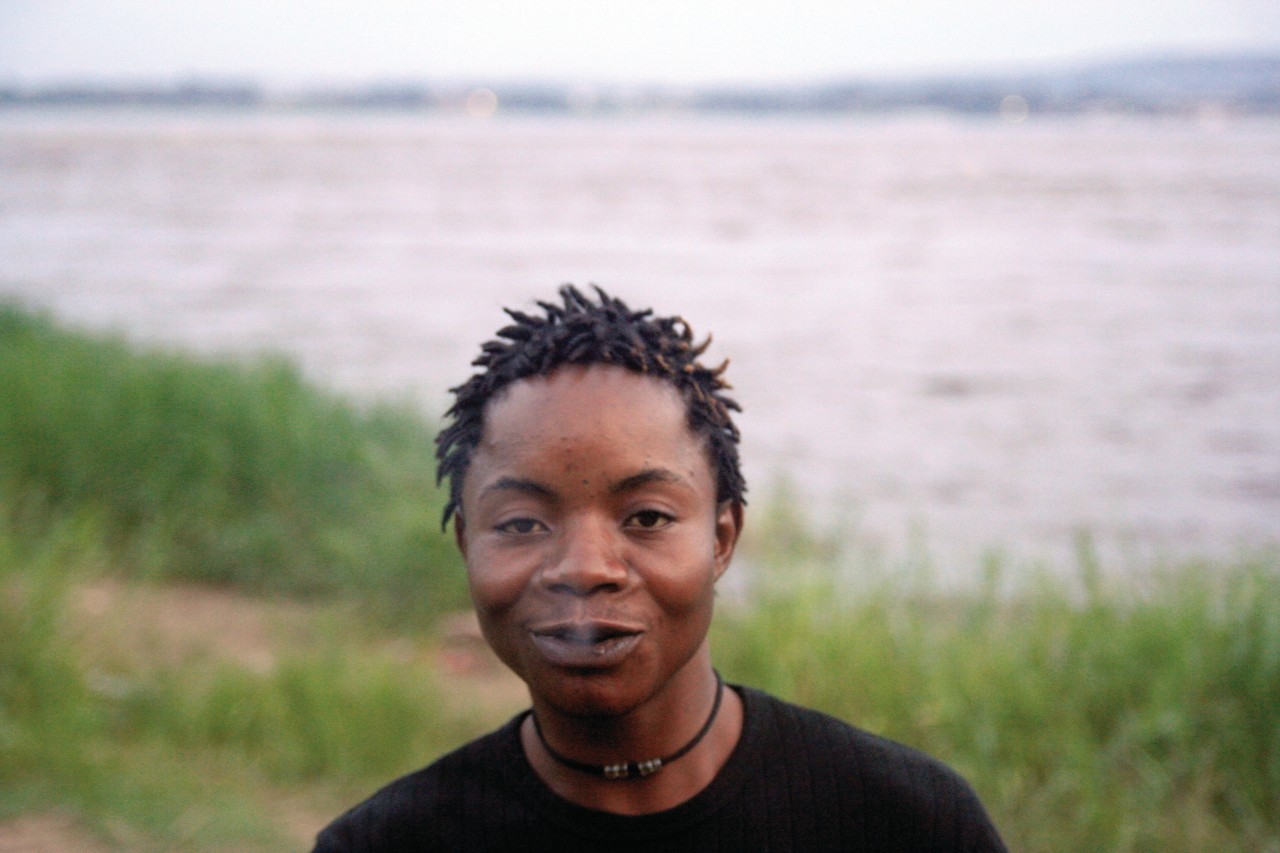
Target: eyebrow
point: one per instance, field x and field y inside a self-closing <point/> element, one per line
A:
<point x="515" y="484"/>
<point x="532" y="487"/>
<point x="645" y="478"/>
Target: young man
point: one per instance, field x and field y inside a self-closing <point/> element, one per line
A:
<point x="597" y="498"/>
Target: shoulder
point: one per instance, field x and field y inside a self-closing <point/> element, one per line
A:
<point x="804" y="731"/>
<point x="897" y="790"/>
<point x="404" y="814"/>
<point x="807" y="732"/>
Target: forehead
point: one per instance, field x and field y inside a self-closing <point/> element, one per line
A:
<point x="601" y="414"/>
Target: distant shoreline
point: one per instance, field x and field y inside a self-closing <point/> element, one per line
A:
<point x="1245" y="84"/>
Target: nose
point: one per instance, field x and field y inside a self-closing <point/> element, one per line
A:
<point x="588" y="559"/>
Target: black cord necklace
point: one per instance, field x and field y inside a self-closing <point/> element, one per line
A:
<point x="633" y="769"/>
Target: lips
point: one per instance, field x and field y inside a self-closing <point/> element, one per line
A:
<point x="585" y="644"/>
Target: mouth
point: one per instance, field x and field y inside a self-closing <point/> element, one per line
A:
<point x="587" y="644"/>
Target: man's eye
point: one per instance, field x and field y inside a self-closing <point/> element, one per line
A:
<point x="520" y="526"/>
<point x="649" y="519"/>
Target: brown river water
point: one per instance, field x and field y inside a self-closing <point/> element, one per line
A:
<point x="957" y="332"/>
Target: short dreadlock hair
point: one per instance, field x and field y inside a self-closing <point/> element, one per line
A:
<point x="584" y="332"/>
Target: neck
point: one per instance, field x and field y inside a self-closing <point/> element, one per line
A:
<point x="635" y="768"/>
<point x="633" y="737"/>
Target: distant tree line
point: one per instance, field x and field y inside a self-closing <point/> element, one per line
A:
<point x="1244" y="84"/>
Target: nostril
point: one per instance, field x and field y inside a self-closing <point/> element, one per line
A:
<point x="578" y="582"/>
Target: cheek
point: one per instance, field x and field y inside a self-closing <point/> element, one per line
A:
<point x="495" y="595"/>
<point x="495" y="586"/>
<point x="687" y="582"/>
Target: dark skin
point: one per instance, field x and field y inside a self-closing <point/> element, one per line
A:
<point x="593" y="541"/>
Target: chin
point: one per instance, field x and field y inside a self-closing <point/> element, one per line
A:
<point x="606" y="693"/>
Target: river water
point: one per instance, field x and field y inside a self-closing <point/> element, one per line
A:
<point x="962" y="332"/>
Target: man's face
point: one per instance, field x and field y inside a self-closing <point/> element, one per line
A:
<point x="592" y="537"/>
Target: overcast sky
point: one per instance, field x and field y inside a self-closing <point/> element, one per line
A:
<point x="670" y="41"/>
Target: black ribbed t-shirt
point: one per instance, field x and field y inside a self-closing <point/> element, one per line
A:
<point x="798" y="780"/>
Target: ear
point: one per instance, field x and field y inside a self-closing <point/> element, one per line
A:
<point x="728" y="529"/>
<point x="460" y="534"/>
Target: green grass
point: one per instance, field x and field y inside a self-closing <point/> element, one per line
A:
<point x="1134" y="714"/>
<point x="223" y="472"/>
<point x="1143" y="714"/>
<point x="193" y="754"/>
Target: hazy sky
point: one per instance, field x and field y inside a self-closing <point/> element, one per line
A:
<point x="597" y="40"/>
